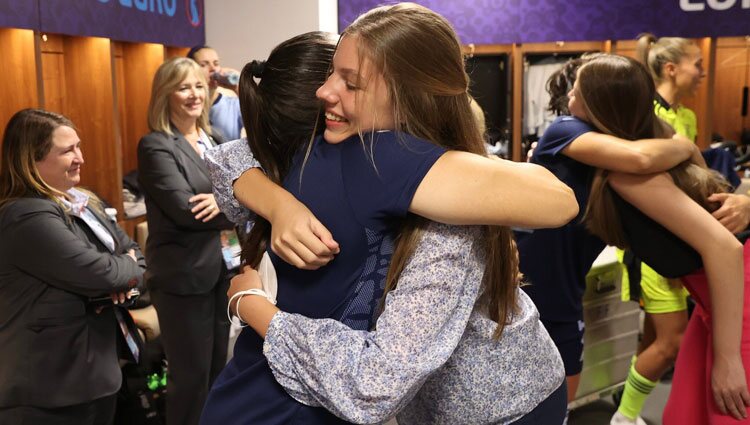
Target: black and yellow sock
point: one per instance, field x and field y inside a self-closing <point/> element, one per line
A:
<point x="637" y="389"/>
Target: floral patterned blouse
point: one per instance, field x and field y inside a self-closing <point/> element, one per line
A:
<point x="431" y="358"/>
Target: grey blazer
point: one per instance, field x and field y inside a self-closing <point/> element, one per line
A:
<point x="55" y="350"/>
<point x="184" y="254"/>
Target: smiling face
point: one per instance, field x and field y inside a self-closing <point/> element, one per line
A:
<point x="61" y="167"/>
<point x="187" y="101"/>
<point x="355" y="95"/>
<point x="688" y="72"/>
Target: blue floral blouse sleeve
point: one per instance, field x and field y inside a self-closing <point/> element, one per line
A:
<point x="226" y="163"/>
<point x="367" y="377"/>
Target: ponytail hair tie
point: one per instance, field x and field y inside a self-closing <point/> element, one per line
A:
<point x="257" y="68"/>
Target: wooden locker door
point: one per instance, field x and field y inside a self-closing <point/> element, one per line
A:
<point x="137" y="68"/>
<point x="19" y="69"/>
<point x="625" y="48"/>
<point x="731" y="74"/>
<point x="89" y="103"/>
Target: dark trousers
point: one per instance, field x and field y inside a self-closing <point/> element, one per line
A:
<point x="195" y="334"/>
<point x="98" y="412"/>
<point x="551" y="411"/>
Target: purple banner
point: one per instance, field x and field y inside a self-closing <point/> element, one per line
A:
<point x="19" y="14"/>
<point x="533" y="21"/>
<point x="170" y="22"/>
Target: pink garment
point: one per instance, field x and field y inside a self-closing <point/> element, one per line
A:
<point x="691" y="401"/>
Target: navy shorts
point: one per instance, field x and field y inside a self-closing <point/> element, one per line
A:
<point x="568" y="337"/>
<point x="550" y="411"/>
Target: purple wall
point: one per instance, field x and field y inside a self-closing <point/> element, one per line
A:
<point x="170" y="22"/>
<point x="526" y="21"/>
<point x="19" y="14"/>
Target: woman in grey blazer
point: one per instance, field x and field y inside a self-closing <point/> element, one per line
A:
<point x="187" y="275"/>
<point x="58" y="250"/>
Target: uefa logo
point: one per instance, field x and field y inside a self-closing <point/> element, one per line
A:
<point x="194" y="12"/>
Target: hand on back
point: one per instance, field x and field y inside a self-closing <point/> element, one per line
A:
<point x="300" y="239"/>
<point x="734" y="212"/>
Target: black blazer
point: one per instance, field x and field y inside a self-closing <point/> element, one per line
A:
<point x="184" y="254"/>
<point x="55" y="350"/>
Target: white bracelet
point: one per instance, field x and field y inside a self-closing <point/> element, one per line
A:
<point x="238" y="296"/>
<point x="235" y="320"/>
<point x="256" y="291"/>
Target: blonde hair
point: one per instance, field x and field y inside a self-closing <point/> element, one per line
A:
<point x="655" y="53"/>
<point x="166" y="81"/>
<point x="419" y="55"/>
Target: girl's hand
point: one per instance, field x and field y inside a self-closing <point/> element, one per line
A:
<point x="117" y="298"/>
<point x="300" y="239"/>
<point x="256" y="311"/>
<point x="531" y="150"/>
<point x="205" y="208"/>
<point x="248" y="279"/>
<point x="734" y="212"/>
<point x="121" y="297"/>
<point x="729" y="386"/>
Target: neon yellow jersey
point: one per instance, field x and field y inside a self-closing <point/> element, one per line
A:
<point x="681" y="119"/>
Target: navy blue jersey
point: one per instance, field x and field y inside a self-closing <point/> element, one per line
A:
<point x="555" y="261"/>
<point x="359" y="191"/>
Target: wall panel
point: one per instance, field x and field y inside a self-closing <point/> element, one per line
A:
<point x="732" y="72"/>
<point x="121" y="98"/>
<point x="172" y="52"/>
<point x="19" y="71"/>
<point x="89" y="102"/>
<point x="53" y="73"/>
<point x="139" y="64"/>
<point x="624" y="48"/>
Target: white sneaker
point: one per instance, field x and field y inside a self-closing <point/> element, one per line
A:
<point x="619" y="419"/>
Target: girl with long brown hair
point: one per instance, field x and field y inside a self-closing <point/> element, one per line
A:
<point x="555" y="261"/>
<point x="496" y="346"/>
<point x="710" y="381"/>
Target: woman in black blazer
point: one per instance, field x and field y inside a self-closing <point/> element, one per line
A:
<point x="187" y="275"/>
<point x="58" y="250"/>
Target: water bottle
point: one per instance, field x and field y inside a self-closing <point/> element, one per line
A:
<point x="230" y="78"/>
